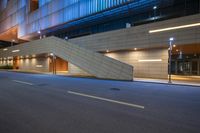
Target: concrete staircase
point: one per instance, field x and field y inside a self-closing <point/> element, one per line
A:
<point x="92" y="62"/>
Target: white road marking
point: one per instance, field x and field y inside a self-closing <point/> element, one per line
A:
<point x="105" y="99"/>
<point x="22" y="82"/>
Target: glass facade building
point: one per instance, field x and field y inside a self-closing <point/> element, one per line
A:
<point x="90" y="16"/>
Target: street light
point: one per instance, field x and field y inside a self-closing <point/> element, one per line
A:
<point x="171" y="39"/>
<point x="154" y="12"/>
<point x="39" y="32"/>
<point x="53" y="62"/>
<point x="13" y="40"/>
<point x="66" y="38"/>
<point x="155" y="7"/>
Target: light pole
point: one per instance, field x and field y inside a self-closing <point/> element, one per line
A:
<point x="171" y="39"/>
<point x="39" y="32"/>
<point x="53" y="62"/>
<point x="13" y="40"/>
<point x="154" y="12"/>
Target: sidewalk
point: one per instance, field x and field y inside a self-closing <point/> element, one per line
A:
<point x="176" y="80"/>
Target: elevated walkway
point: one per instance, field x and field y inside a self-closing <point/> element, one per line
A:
<point x="92" y="62"/>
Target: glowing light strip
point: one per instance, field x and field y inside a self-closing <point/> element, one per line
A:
<point x="175" y="28"/>
<point x="17" y="50"/>
<point x="39" y="66"/>
<point x="150" y="60"/>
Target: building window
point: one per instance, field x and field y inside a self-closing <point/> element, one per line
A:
<point x="34" y="5"/>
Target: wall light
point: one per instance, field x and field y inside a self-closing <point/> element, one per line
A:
<point x="39" y="66"/>
<point x="17" y="50"/>
<point x="5" y="49"/>
<point x="150" y="60"/>
<point x="175" y="28"/>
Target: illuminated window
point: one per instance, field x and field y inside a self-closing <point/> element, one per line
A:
<point x="34" y="5"/>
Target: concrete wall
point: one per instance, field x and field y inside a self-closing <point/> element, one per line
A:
<point x="34" y="64"/>
<point x="145" y="69"/>
<point x="74" y="70"/>
<point x="92" y="62"/>
<point x="139" y="36"/>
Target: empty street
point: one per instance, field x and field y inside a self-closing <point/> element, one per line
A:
<point x="34" y="103"/>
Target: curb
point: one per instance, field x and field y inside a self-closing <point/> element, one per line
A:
<point x="179" y="84"/>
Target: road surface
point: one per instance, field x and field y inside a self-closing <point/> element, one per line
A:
<point x="36" y="103"/>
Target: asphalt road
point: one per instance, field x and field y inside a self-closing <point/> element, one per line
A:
<point x="33" y="103"/>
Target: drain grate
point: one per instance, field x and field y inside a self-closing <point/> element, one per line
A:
<point x="115" y="89"/>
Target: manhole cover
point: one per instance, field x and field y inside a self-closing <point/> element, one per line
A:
<point x="115" y="89"/>
<point x="42" y="85"/>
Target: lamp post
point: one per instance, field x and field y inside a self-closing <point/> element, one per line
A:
<point x="13" y="40"/>
<point x="53" y="62"/>
<point x="154" y="12"/>
<point x="171" y="39"/>
<point x="39" y="32"/>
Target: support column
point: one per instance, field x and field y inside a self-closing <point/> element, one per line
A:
<point x="198" y="67"/>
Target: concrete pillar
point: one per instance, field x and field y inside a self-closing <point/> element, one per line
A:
<point x="198" y="67"/>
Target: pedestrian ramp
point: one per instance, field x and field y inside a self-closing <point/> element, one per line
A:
<point x="90" y="61"/>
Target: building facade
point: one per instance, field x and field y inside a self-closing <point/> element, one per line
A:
<point x="128" y="33"/>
